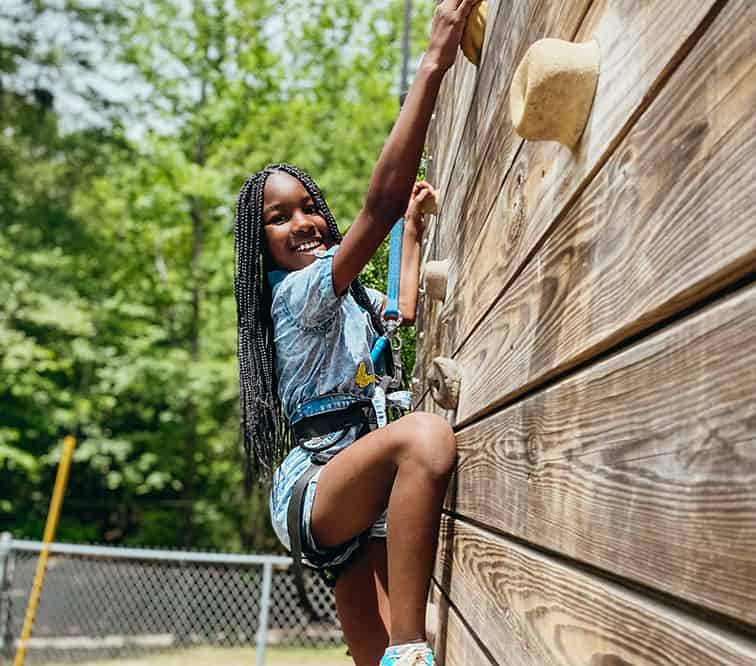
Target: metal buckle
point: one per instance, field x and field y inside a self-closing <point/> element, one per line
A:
<point x="393" y="324"/>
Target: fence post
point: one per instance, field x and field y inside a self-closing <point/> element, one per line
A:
<point x="262" y="624"/>
<point x="5" y="548"/>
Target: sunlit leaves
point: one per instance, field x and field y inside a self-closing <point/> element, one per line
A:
<point x="118" y="321"/>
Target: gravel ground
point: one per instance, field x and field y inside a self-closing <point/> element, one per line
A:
<point x="274" y="656"/>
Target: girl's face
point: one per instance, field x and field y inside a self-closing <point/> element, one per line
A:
<point x="294" y="229"/>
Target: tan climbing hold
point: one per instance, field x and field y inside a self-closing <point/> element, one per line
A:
<point x="436" y="275"/>
<point x="475" y="29"/>
<point x="444" y="382"/>
<point x="552" y="91"/>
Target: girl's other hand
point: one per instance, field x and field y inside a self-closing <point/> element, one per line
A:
<point x="446" y="31"/>
<point x="422" y="193"/>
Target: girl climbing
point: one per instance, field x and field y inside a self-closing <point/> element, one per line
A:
<point x="359" y="503"/>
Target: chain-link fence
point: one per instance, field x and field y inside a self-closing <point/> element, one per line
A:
<point x="104" y="602"/>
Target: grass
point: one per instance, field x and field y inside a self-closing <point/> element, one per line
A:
<point x="274" y="656"/>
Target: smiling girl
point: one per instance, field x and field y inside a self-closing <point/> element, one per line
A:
<point x="362" y="504"/>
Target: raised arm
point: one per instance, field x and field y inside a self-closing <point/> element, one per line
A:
<point x="394" y="173"/>
<point x="414" y="228"/>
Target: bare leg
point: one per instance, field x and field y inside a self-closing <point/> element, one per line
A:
<point x="406" y="465"/>
<point x="362" y="604"/>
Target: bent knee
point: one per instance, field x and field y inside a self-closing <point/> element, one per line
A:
<point x="433" y="443"/>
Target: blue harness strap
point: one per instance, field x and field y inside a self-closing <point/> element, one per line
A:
<point x="392" y="311"/>
<point x="395" y="268"/>
<point x="378" y="348"/>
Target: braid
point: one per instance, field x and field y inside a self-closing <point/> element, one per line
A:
<point x="266" y="433"/>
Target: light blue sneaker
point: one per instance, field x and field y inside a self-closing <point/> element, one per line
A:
<point x="418" y="654"/>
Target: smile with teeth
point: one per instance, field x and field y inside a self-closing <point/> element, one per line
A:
<point x="307" y="246"/>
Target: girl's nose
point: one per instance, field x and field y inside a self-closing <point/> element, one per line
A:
<point x="301" y="222"/>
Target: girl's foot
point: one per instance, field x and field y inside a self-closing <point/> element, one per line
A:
<point x="409" y="654"/>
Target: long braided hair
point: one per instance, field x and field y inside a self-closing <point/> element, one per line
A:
<point x="266" y="433"/>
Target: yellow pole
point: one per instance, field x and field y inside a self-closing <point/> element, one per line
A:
<point x="50" y="526"/>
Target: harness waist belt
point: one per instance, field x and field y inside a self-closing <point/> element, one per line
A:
<point x="322" y="424"/>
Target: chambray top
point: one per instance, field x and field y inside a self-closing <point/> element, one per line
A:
<point x="321" y="339"/>
<point x="323" y="344"/>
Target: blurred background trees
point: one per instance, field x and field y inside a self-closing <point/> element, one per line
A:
<point x="126" y="130"/>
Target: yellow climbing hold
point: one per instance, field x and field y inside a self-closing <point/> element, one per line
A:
<point x="475" y="28"/>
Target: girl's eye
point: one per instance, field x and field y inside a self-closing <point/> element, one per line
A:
<point x="281" y="218"/>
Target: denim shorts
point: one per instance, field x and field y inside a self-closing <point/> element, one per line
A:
<point x="284" y="479"/>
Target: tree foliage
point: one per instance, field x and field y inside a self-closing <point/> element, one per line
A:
<point x="116" y="249"/>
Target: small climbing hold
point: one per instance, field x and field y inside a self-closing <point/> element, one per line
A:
<point x="475" y="29"/>
<point x="552" y="90"/>
<point x="435" y="278"/>
<point x="444" y="382"/>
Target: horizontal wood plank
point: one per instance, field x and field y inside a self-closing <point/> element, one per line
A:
<point x="453" y="113"/>
<point x="643" y="465"/>
<point x="533" y="610"/>
<point x="492" y="245"/>
<point x="669" y="219"/>
<point x="453" y="645"/>
<point x="510" y="30"/>
<point x="440" y="126"/>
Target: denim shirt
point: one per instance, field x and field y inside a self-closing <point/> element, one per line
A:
<point x="322" y="347"/>
<point x="322" y="340"/>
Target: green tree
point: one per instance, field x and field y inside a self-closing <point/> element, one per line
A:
<point x="117" y="253"/>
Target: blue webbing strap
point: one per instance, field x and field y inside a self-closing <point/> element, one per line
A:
<point x="395" y="267"/>
<point x="378" y="348"/>
<point x="392" y="292"/>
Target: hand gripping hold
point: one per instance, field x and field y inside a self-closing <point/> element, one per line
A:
<point x="429" y="206"/>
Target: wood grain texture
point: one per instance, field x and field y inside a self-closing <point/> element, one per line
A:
<point x="510" y="30"/>
<point x="464" y="78"/>
<point x="639" y="46"/>
<point x="643" y="465"/>
<point x="669" y="219"/>
<point x="452" y="643"/>
<point x="439" y="128"/>
<point x="533" y="610"/>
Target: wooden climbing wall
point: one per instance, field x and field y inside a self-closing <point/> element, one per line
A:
<point x="601" y="307"/>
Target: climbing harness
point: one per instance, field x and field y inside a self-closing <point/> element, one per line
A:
<point x="338" y="413"/>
